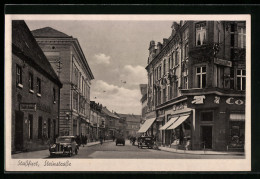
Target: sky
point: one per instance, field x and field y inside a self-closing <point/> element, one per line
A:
<point x="117" y="53"/>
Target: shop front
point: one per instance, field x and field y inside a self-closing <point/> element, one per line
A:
<point x="219" y="122"/>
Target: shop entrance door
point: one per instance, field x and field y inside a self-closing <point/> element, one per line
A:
<point x="206" y="137"/>
<point x="18" y="139"/>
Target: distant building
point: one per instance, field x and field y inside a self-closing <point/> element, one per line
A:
<point x="68" y="60"/>
<point x="132" y="123"/>
<point x="97" y="121"/>
<point x="197" y="85"/>
<point x="35" y="93"/>
<point x="112" y="123"/>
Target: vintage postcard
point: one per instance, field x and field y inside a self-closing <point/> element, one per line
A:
<point x="127" y="92"/>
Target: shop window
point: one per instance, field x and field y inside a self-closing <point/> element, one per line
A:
<point x="30" y="126"/>
<point x="31" y="82"/>
<point x="207" y="116"/>
<point x="200" y="33"/>
<point x="19" y="76"/>
<point x="39" y="127"/>
<point x="39" y="86"/>
<point x="241" y="37"/>
<point x="201" y="77"/>
<point x="241" y="79"/>
<point x="237" y="134"/>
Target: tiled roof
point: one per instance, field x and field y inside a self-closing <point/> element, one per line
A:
<point x="25" y="45"/>
<point x="106" y="111"/>
<point x="49" y="32"/>
<point x="130" y="117"/>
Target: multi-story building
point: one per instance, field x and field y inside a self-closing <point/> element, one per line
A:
<point x="68" y="60"/>
<point x="143" y="89"/>
<point x="96" y="121"/>
<point x="196" y="86"/>
<point x="111" y="123"/>
<point x="132" y="123"/>
<point x="35" y="93"/>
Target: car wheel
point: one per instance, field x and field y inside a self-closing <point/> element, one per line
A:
<point x="76" y="151"/>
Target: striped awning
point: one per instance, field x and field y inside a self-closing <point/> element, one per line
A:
<point x="146" y="125"/>
<point x="237" y="117"/>
<point x="170" y="122"/>
<point x="180" y="120"/>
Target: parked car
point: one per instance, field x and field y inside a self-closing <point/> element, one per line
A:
<point x="145" y="141"/>
<point x="64" y="145"/>
<point x="120" y="140"/>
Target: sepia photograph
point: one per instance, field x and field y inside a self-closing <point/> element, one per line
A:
<point x="127" y="93"/>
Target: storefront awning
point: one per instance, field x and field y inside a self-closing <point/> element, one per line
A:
<point x="170" y="122"/>
<point x="146" y="125"/>
<point x="180" y="120"/>
<point x="237" y="117"/>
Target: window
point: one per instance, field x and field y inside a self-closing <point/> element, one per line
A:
<point x="172" y="56"/>
<point x="241" y="37"/>
<point x="164" y="95"/>
<point x="54" y="95"/>
<point x="49" y="128"/>
<point x="169" y="63"/>
<point x="241" y="79"/>
<point x="160" y="71"/>
<point x="19" y="79"/>
<point x="164" y="67"/>
<point x="175" y="93"/>
<point x="40" y="127"/>
<point x="75" y="100"/>
<point x="201" y="77"/>
<point x="207" y="116"/>
<point x="185" y="82"/>
<point x="200" y="33"/>
<point x="176" y="58"/>
<point x="39" y="90"/>
<point x="186" y="50"/>
<point x="31" y="81"/>
<point x="30" y="126"/>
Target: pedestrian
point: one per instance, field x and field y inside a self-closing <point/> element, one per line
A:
<point x="101" y="139"/>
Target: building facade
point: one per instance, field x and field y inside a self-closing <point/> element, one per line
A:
<point x="97" y="121"/>
<point x="143" y="100"/>
<point x="35" y="93"/>
<point x="67" y="59"/>
<point x="196" y="86"/>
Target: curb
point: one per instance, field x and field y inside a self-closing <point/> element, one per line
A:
<point x="202" y="153"/>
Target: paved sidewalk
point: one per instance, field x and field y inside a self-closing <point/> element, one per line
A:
<point x="200" y="152"/>
<point x="45" y="153"/>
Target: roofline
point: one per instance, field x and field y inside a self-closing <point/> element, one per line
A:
<point x="17" y="51"/>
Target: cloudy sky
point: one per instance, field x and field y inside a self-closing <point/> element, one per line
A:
<point x="117" y="52"/>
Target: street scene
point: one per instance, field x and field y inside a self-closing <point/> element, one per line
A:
<point x="170" y="89"/>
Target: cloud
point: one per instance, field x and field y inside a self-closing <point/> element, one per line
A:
<point x="119" y="99"/>
<point x="102" y="58"/>
<point x="134" y="75"/>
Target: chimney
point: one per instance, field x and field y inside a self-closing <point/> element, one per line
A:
<point x="165" y="41"/>
<point x="159" y="46"/>
<point x="151" y="46"/>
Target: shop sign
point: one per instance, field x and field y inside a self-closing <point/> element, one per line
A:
<point x="233" y="101"/>
<point x="222" y="62"/>
<point x="27" y="106"/>
<point x="217" y="99"/>
<point x="198" y="99"/>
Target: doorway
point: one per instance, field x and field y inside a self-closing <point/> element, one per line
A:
<point x="206" y="137"/>
<point x="18" y="139"/>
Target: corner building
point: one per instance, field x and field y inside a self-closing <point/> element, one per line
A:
<point x="68" y="60"/>
<point x="35" y="93"/>
<point x="196" y="86"/>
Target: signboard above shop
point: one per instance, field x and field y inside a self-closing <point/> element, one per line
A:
<point x="27" y="106"/>
<point x="222" y="62"/>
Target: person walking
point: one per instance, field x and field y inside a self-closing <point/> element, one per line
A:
<point x="101" y="139"/>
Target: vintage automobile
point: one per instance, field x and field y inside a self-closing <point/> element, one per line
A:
<point x="120" y="140"/>
<point x="64" y="145"/>
<point x="145" y="141"/>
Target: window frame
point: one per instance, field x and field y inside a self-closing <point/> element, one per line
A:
<point x="241" y="76"/>
<point x="204" y="28"/>
<point x="39" y="87"/>
<point x="31" y="82"/>
<point x="19" y="76"/>
<point x="200" y="74"/>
